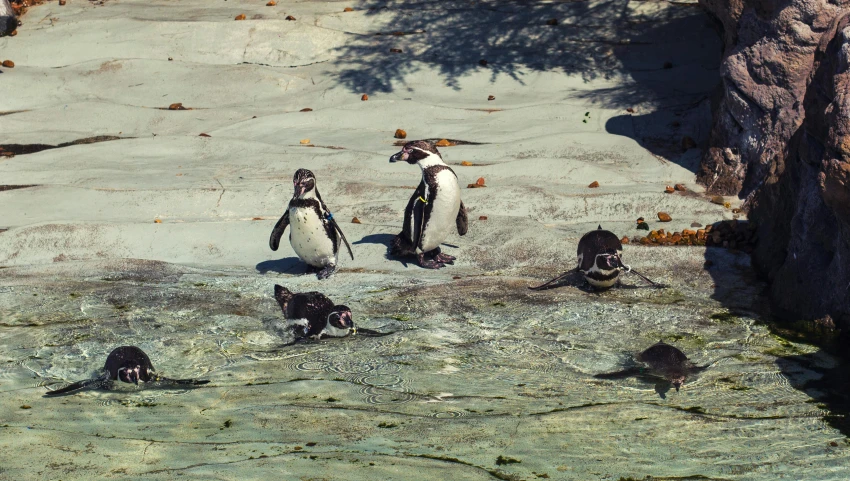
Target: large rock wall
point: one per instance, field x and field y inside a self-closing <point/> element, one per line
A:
<point x="781" y="141"/>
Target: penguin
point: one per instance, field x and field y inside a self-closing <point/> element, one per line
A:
<point x="8" y="21"/>
<point x="315" y="235"/>
<point x="599" y="257"/>
<point x="668" y="362"/>
<point x="126" y="364"/>
<point x="432" y="210"/>
<point x="313" y="315"/>
<point x="661" y="360"/>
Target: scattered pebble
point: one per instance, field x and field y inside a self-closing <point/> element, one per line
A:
<point x="26" y="406"/>
<point x="594" y="184"/>
<point x="696" y="224"/>
<point x="833" y="444"/>
<point x="483" y="217"/>
<point x="688" y="143"/>
<point x="272" y="3"/>
<point x="717" y="200"/>
<point x="241" y="16"/>
<point x="624" y="240"/>
<point x="400" y="134"/>
<point x="290" y="18"/>
<point x="680" y="187"/>
<point x="157" y="221"/>
<point x="480" y="181"/>
<point x="736" y="210"/>
<point x="630" y="110"/>
<point x="455" y="277"/>
<point x="364" y="97"/>
<point x="444" y="143"/>
<point x="62" y="3"/>
<point x="396" y="50"/>
<point x="170" y="59"/>
<point x="483" y="62"/>
<point x="257" y="218"/>
<point x="727" y="205"/>
<point x="347" y="9"/>
<point x="305" y="141"/>
<point x="298" y="448"/>
<point x="306" y="109"/>
<point x="552" y="21"/>
<point x="8" y="64"/>
<point x="490" y="97"/>
<point x="355" y="220"/>
<point x="466" y="163"/>
<point x="176" y="106"/>
<point x="311" y="444"/>
<point x="669" y="189"/>
<point x="664" y="217"/>
<point x="204" y="135"/>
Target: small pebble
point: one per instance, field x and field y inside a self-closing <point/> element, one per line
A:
<point x="347" y="9"/>
<point x="696" y="224"/>
<point x="664" y="217"/>
<point x="642" y="226"/>
<point x="272" y="3"/>
<point x="364" y="97"/>
<point x="8" y="64"/>
<point x="306" y="109"/>
<point x="176" y="106"/>
<point x="26" y="406"/>
<point x="311" y="444"/>
<point x="668" y="189"/>
<point x="594" y="184"/>
<point x="630" y="110"/>
<point x="483" y="217"/>
<point x="241" y="16"/>
<point x="396" y="50"/>
<point x="624" y="240"/>
<point x="305" y="141"/>
<point x="61" y="3"/>
<point x="480" y="181"/>
<point x="204" y="135"/>
<point x="355" y="220"/>
<point x="680" y="187"/>
<point x="400" y="134"/>
<point x="490" y="97"/>
<point x="257" y="218"/>
<point x="290" y="18"/>
<point x="157" y="221"/>
<point x="466" y="163"/>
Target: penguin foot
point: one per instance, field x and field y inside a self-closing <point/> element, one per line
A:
<point x="429" y="263"/>
<point x="445" y="258"/>
<point x="326" y="272"/>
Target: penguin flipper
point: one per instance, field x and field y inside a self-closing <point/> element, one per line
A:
<point x="277" y="232"/>
<point x="549" y="284"/>
<point x="95" y="383"/>
<point x="413" y="219"/>
<point x="461" y="221"/>
<point x="339" y="231"/>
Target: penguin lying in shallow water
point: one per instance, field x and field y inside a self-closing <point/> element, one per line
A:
<point x="434" y="210"/>
<point x="313" y="315"/>
<point x="315" y="236"/>
<point x="662" y="360"/>
<point x="126" y="364"/>
<point x="600" y="261"/>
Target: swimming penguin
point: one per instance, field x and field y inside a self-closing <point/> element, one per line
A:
<point x="315" y="235"/>
<point x="432" y="211"/>
<point x="662" y="360"/>
<point x="667" y="361"/>
<point x="126" y="364"/>
<point x="600" y="261"/>
<point x="313" y="315"/>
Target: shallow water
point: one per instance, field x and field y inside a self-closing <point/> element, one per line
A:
<point x="159" y="240"/>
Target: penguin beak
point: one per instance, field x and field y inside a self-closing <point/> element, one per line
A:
<point x="400" y="156"/>
<point x="347" y="321"/>
<point x="299" y="189"/>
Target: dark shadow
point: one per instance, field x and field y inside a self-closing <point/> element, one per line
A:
<point x="23" y="149"/>
<point x="287" y="265"/>
<point x="383" y="239"/>
<point x="828" y="387"/>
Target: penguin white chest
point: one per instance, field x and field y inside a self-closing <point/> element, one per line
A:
<point x="309" y="238"/>
<point x="444" y="208"/>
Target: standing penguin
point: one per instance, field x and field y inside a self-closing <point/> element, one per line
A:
<point x="8" y="22"/>
<point x="126" y="364"/>
<point x="600" y="261"/>
<point x="315" y="235"/>
<point x="312" y="314"/>
<point x="434" y="209"/>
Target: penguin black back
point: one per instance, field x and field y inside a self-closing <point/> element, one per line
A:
<point x="668" y="361"/>
<point x="596" y="242"/>
<point x="313" y="314"/>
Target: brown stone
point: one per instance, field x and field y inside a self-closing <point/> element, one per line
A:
<point x="290" y="18"/>
<point x="306" y="109"/>
<point x="176" y="106"/>
<point x="466" y="163"/>
<point x="256" y="218"/>
<point x="482" y="217"/>
<point x="355" y="220"/>
<point x="675" y="238"/>
<point x="594" y="184"/>
<point x="624" y="240"/>
<point x="480" y="181"/>
<point x="62" y="3"/>
<point x="696" y="224"/>
<point x="717" y="200"/>
<point x="687" y="232"/>
<point x="157" y="221"/>
<point x="400" y="134"/>
<point x="630" y="110"/>
<point x="348" y="9"/>
<point x="8" y="64"/>
<point x="241" y="16"/>
<point x="364" y="97"/>
<point x="272" y="3"/>
<point x="645" y="240"/>
<point x="305" y="141"/>
<point x="668" y="189"/>
<point x="396" y="50"/>
<point x="680" y="187"/>
<point x="664" y="217"/>
<point x="490" y="97"/>
<point x="204" y="135"/>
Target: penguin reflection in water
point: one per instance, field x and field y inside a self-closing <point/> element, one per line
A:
<point x="315" y="235"/>
<point x="126" y="364"/>
<point x="663" y="361"/>
<point x="599" y="261"/>
<point x="434" y="210"/>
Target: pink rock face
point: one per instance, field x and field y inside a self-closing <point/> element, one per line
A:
<point x="781" y="140"/>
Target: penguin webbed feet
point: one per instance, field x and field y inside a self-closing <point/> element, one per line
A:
<point x="326" y="272"/>
<point x="426" y="263"/>
<point x="439" y="256"/>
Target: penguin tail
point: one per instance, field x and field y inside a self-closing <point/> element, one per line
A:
<point x="599" y="227"/>
<point x="282" y="295"/>
<point x="78" y="386"/>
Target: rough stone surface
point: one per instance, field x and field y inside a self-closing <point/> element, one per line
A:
<point x="781" y="140"/>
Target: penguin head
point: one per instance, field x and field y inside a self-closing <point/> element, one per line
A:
<point x="133" y="373"/>
<point x="608" y="260"/>
<point x="677" y="381"/>
<point x="414" y="151"/>
<point x="340" y="318"/>
<point x="304" y="182"/>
